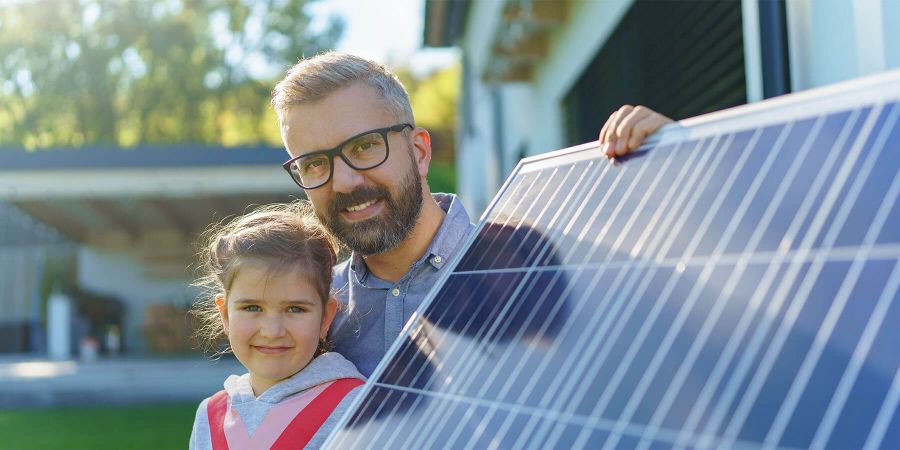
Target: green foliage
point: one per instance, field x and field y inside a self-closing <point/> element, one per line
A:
<point x="434" y="98"/>
<point x="75" y="72"/>
<point x="442" y="177"/>
<point x="434" y="101"/>
<point x="124" y="427"/>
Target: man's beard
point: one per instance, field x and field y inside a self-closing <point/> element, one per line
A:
<point x="388" y="229"/>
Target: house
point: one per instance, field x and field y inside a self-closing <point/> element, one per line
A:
<point x="540" y="75"/>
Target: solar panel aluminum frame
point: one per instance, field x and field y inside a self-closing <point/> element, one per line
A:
<point x="875" y="91"/>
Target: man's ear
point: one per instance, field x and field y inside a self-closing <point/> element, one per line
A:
<point x="421" y="142"/>
<point x="222" y="306"/>
<point x="328" y="315"/>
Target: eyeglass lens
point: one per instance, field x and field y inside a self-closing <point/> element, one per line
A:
<point x="362" y="153"/>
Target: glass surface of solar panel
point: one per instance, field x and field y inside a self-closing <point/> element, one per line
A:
<point x="727" y="288"/>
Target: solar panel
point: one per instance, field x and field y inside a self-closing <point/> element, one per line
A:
<point x="732" y="284"/>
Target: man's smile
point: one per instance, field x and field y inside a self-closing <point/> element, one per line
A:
<point x="361" y="206"/>
<point x="362" y="211"/>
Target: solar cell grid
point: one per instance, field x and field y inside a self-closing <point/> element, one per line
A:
<point x="734" y="285"/>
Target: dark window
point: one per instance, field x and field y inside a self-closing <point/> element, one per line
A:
<point x="681" y="58"/>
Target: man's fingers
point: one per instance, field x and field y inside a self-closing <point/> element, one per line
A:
<point x="602" y="138"/>
<point x="645" y="127"/>
<point x="635" y="127"/>
<point x="603" y="131"/>
<point x="626" y="128"/>
<point x="609" y="135"/>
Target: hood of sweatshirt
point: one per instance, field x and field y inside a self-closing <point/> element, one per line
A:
<point x="324" y="368"/>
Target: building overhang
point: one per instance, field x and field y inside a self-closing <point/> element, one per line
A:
<point x="523" y="41"/>
<point x="444" y="22"/>
<point x="151" y="202"/>
<point x="520" y="43"/>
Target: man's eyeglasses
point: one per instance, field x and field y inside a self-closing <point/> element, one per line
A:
<point x="364" y="151"/>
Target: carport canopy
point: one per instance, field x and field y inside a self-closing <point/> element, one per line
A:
<point x="153" y="201"/>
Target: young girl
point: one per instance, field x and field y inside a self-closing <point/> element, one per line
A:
<point x="267" y="282"/>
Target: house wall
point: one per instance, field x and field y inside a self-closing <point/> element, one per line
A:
<point x="476" y="153"/>
<point x="121" y="275"/>
<point x="829" y="41"/>
<point x="531" y="117"/>
<point x="839" y="40"/>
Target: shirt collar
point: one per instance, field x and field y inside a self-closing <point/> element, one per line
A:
<point x="452" y="233"/>
<point x="450" y="236"/>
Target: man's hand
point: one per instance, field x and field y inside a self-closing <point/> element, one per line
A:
<point x="627" y="128"/>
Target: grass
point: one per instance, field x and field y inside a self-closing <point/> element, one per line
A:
<point x="155" y="427"/>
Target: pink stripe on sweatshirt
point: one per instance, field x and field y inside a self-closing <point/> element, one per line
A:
<point x="276" y="420"/>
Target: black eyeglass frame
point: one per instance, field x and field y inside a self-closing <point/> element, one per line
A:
<point x="336" y="151"/>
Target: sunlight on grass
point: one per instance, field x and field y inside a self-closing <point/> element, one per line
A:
<point x="38" y="369"/>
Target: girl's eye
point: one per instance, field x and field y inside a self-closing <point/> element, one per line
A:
<point x="296" y="309"/>
<point x="252" y="308"/>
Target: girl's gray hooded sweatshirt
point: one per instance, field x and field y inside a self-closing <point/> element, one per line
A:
<point x="252" y="410"/>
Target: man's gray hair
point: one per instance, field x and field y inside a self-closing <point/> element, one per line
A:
<point x="313" y="79"/>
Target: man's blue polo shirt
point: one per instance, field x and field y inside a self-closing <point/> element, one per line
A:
<point x="373" y="310"/>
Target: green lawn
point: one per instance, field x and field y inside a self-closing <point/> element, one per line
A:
<point x="155" y="427"/>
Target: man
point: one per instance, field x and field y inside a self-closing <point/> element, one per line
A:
<point x="349" y="129"/>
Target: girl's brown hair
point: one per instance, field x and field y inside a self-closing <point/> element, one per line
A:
<point x="279" y="237"/>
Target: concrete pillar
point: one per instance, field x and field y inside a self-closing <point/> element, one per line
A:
<point x="59" y="326"/>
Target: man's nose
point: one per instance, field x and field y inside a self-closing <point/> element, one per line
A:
<point x="345" y="178"/>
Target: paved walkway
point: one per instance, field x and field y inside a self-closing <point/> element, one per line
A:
<point x="32" y="382"/>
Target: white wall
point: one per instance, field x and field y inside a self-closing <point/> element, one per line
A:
<point x="837" y="40"/>
<point x="475" y="152"/>
<point x="474" y="164"/>
<point x="120" y="275"/>
<point x="890" y="13"/>
<point x="519" y="125"/>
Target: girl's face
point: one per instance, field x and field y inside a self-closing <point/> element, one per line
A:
<point x="274" y="322"/>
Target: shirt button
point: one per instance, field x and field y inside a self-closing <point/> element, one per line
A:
<point x="396" y="292"/>
<point x="438" y="259"/>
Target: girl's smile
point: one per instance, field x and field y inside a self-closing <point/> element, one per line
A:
<point x="270" y="350"/>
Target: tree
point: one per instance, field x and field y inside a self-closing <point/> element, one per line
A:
<point x="434" y="99"/>
<point x="122" y="72"/>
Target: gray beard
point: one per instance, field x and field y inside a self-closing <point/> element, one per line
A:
<point x="390" y="228"/>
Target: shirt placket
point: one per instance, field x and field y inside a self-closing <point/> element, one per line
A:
<point x="393" y="312"/>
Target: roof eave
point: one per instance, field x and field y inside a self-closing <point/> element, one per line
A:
<point x="444" y="22"/>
